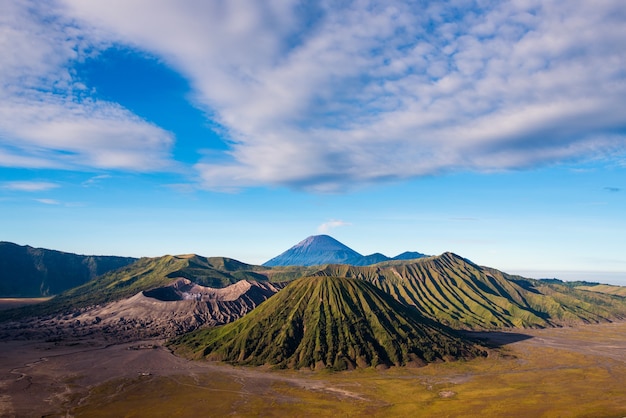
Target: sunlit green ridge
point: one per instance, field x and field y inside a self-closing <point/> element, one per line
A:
<point x="457" y="292"/>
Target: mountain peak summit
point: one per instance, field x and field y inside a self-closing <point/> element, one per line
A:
<point x="321" y="241"/>
<point x="315" y="250"/>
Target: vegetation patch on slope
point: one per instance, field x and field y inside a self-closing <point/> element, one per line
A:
<point x="605" y="288"/>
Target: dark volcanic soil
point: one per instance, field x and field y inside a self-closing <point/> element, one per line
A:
<point x="49" y="379"/>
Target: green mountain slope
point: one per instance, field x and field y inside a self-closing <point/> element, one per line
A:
<point x="324" y="322"/>
<point x="33" y="272"/>
<point x="459" y="293"/>
<point x="149" y="273"/>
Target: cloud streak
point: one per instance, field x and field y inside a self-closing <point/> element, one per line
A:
<point x="28" y="186"/>
<point x="326" y="227"/>
<point x="324" y="97"/>
<point x="48" y="201"/>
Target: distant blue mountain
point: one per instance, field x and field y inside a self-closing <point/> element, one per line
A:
<point x="315" y="250"/>
<point x="323" y="249"/>
<point x="408" y="255"/>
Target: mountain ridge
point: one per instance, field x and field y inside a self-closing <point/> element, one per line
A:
<point x="150" y="273"/>
<point x="27" y="271"/>
<point x="446" y="288"/>
<point x="459" y="293"/>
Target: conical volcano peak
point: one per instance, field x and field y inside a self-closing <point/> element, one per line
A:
<point x="316" y="250"/>
<point x="321" y="242"/>
<point x="330" y="323"/>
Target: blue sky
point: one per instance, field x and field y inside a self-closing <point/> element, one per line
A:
<point x="492" y="129"/>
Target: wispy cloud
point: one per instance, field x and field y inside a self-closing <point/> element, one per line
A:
<point x="613" y="189"/>
<point x="28" y="186"/>
<point x="48" y="201"/>
<point x="321" y="97"/>
<point x="95" y="180"/>
<point x="326" y="227"/>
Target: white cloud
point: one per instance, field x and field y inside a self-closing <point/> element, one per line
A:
<point x="331" y="224"/>
<point x="84" y="134"/>
<point x="28" y="186"/>
<point x="325" y="96"/>
<point x="46" y="118"/>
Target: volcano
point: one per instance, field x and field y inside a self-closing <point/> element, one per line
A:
<point x="329" y="323"/>
<point x="322" y="249"/>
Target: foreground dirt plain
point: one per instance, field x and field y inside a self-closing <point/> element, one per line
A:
<point x="560" y="372"/>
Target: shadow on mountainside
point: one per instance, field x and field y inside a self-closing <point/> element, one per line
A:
<point x="495" y="339"/>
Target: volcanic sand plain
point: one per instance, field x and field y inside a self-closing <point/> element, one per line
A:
<point x="10" y="303"/>
<point x="574" y="372"/>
